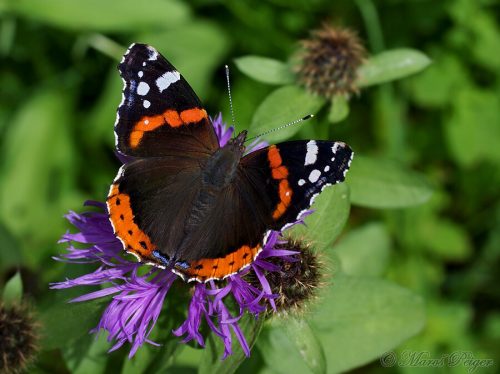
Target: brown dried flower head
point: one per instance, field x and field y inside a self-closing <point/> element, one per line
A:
<point x="329" y="61"/>
<point x="298" y="281"/>
<point x="18" y="338"/>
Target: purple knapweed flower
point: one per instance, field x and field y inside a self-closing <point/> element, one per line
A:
<point x="137" y="298"/>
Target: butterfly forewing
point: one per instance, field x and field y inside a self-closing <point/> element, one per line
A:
<point x="294" y="173"/>
<point x="160" y="114"/>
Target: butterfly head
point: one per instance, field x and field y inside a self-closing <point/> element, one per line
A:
<point x="238" y="142"/>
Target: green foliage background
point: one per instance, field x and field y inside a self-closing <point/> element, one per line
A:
<point x="416" y="266"/>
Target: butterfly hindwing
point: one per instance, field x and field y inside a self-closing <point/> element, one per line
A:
<point x="149" y="202"/>
<point x="160" y="114"/>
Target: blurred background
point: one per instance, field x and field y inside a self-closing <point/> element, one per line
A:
<point x="59" y="89"/>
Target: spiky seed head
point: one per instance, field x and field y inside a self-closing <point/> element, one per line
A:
<point x="298" y="281"/>
<point x="18" y="338"/>
<point x="329" y="61"/>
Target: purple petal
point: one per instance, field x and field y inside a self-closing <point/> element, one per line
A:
<point x="96" y="295"/>
<point x="223" y="132"/>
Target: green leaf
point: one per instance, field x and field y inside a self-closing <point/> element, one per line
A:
<point x="364" y="251"/>
<point x="161" y="358"/>
<point x="435" y="87"/>
<point x="96" y="356"/>
<point x="480" y="31"/>
<point x="292" y="343"/>
<point x="390" y="65"/>
<point x="447" y="323"/>
<point x="265" y="70"/>
<point x="446" y="239"/>
<point x="38" y="169"/>
<point x="140" y="362"/>
<point x="188" y="358"/>
<point x="378" y="183"/>
<point x="64" y="322"/>
<point x="211" y="359"/>
<point x="282" y="106"/>
<point x="361" y="318"/>
<point x="98" y="15"/>
<point x="299" y="333"/>
<point x="75" y="353"/>
<point x="13" y="289"/>
<point x="487" y="39"/>
<point x="331" y="210"/>
<point x="473" y="130"/>
<point x="101" y="43"/>
<point x="339" y="109"/>
<point x="10" y="252"/>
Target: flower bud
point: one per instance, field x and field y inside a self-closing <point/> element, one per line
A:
<point x="329" y="61"/>
<point x="298" y="280"/>
<point x="18" y="338"/>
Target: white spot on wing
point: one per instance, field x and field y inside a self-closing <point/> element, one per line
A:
<point x="119" y="106"/>
<point x="153" y="54"/>
<point x="146" y="121"/>
<point x="146" y="104"/>
<point x="327" y="168"/>
<point x="335" y="147"/>
<point x="314" y="176"/>
<point x="301" y="182"/>
<point x="123" y="96"/>
<point x="167" y="79"/>
<point x="140" y="74"/>
<point x="142" y="88"/>
<point x="312" y="153"/>
<point x="348" y="164"/>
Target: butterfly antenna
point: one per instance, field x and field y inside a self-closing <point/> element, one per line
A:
<point x="230" y="97"/>
<point x="309" y="116"/>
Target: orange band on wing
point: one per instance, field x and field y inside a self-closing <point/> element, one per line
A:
<point x="193" y="115"/>
<point x="218" y="268"/>
<point x="279" y="172"/>
<point x="122" y="217"/>
<point x="285" y="192"/>
<point x="170" y="117"/>
<point x="274" y="157"/>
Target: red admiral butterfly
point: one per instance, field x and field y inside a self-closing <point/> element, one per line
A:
<point x="185" y="203"/>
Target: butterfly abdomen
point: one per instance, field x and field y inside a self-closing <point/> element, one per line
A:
<point x="217" y="177"/>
